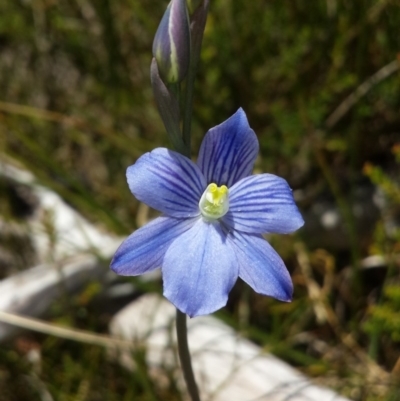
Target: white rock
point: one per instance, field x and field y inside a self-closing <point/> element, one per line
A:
<point x="31" y="292"/>
<point x="74" y="234"/>
<point x="73" y="263"/>
<point x="227" y="367"/>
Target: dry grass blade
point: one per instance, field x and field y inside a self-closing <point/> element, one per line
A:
<point x="361" y="91"/>
<point x="73" y="122"/>
<point x="324" y="312"/>
<point x="62" y="332"/>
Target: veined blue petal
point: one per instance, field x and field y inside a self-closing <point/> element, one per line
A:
<point x="144" y="250"/>
<point x="262" y="204"/>
<point x="261" y="267"/>
<point x="168" y="182"/>
<point x="228" y="151"/>
<point x="199" y="269"/>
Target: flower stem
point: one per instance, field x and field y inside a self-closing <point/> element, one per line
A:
<point x="197" y="22"/>
<point x="184" y="355"/>
<point x="187" y="115"/>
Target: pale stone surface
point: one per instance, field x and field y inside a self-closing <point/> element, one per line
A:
<point x="72" y="254"/>
<point x="31" y="292"/>
<point x="73" y="233"/>
<point x="227" y="366"/>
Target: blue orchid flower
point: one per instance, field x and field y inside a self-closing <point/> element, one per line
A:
<point x="214" y="213"/>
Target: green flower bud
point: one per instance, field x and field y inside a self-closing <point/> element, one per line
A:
<point x="171" y="46"/>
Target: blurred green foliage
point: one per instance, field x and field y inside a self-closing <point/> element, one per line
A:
<point x="386" y="316"/>
<point x="76" y="108"/>
<point x="289" y="65"/>
<point x="75" y="372"/>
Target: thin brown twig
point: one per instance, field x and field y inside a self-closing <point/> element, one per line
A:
<point x="34" y="112"/>
<point x="62" y="332"/>
<point x="361" y="91"/>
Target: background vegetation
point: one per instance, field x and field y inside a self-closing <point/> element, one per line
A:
<point x="320" y="84"/>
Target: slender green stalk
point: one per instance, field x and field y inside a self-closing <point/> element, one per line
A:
<point x="187" y="117"/>
<point x="184" y="355"/>
<point x="198" y="21"/>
